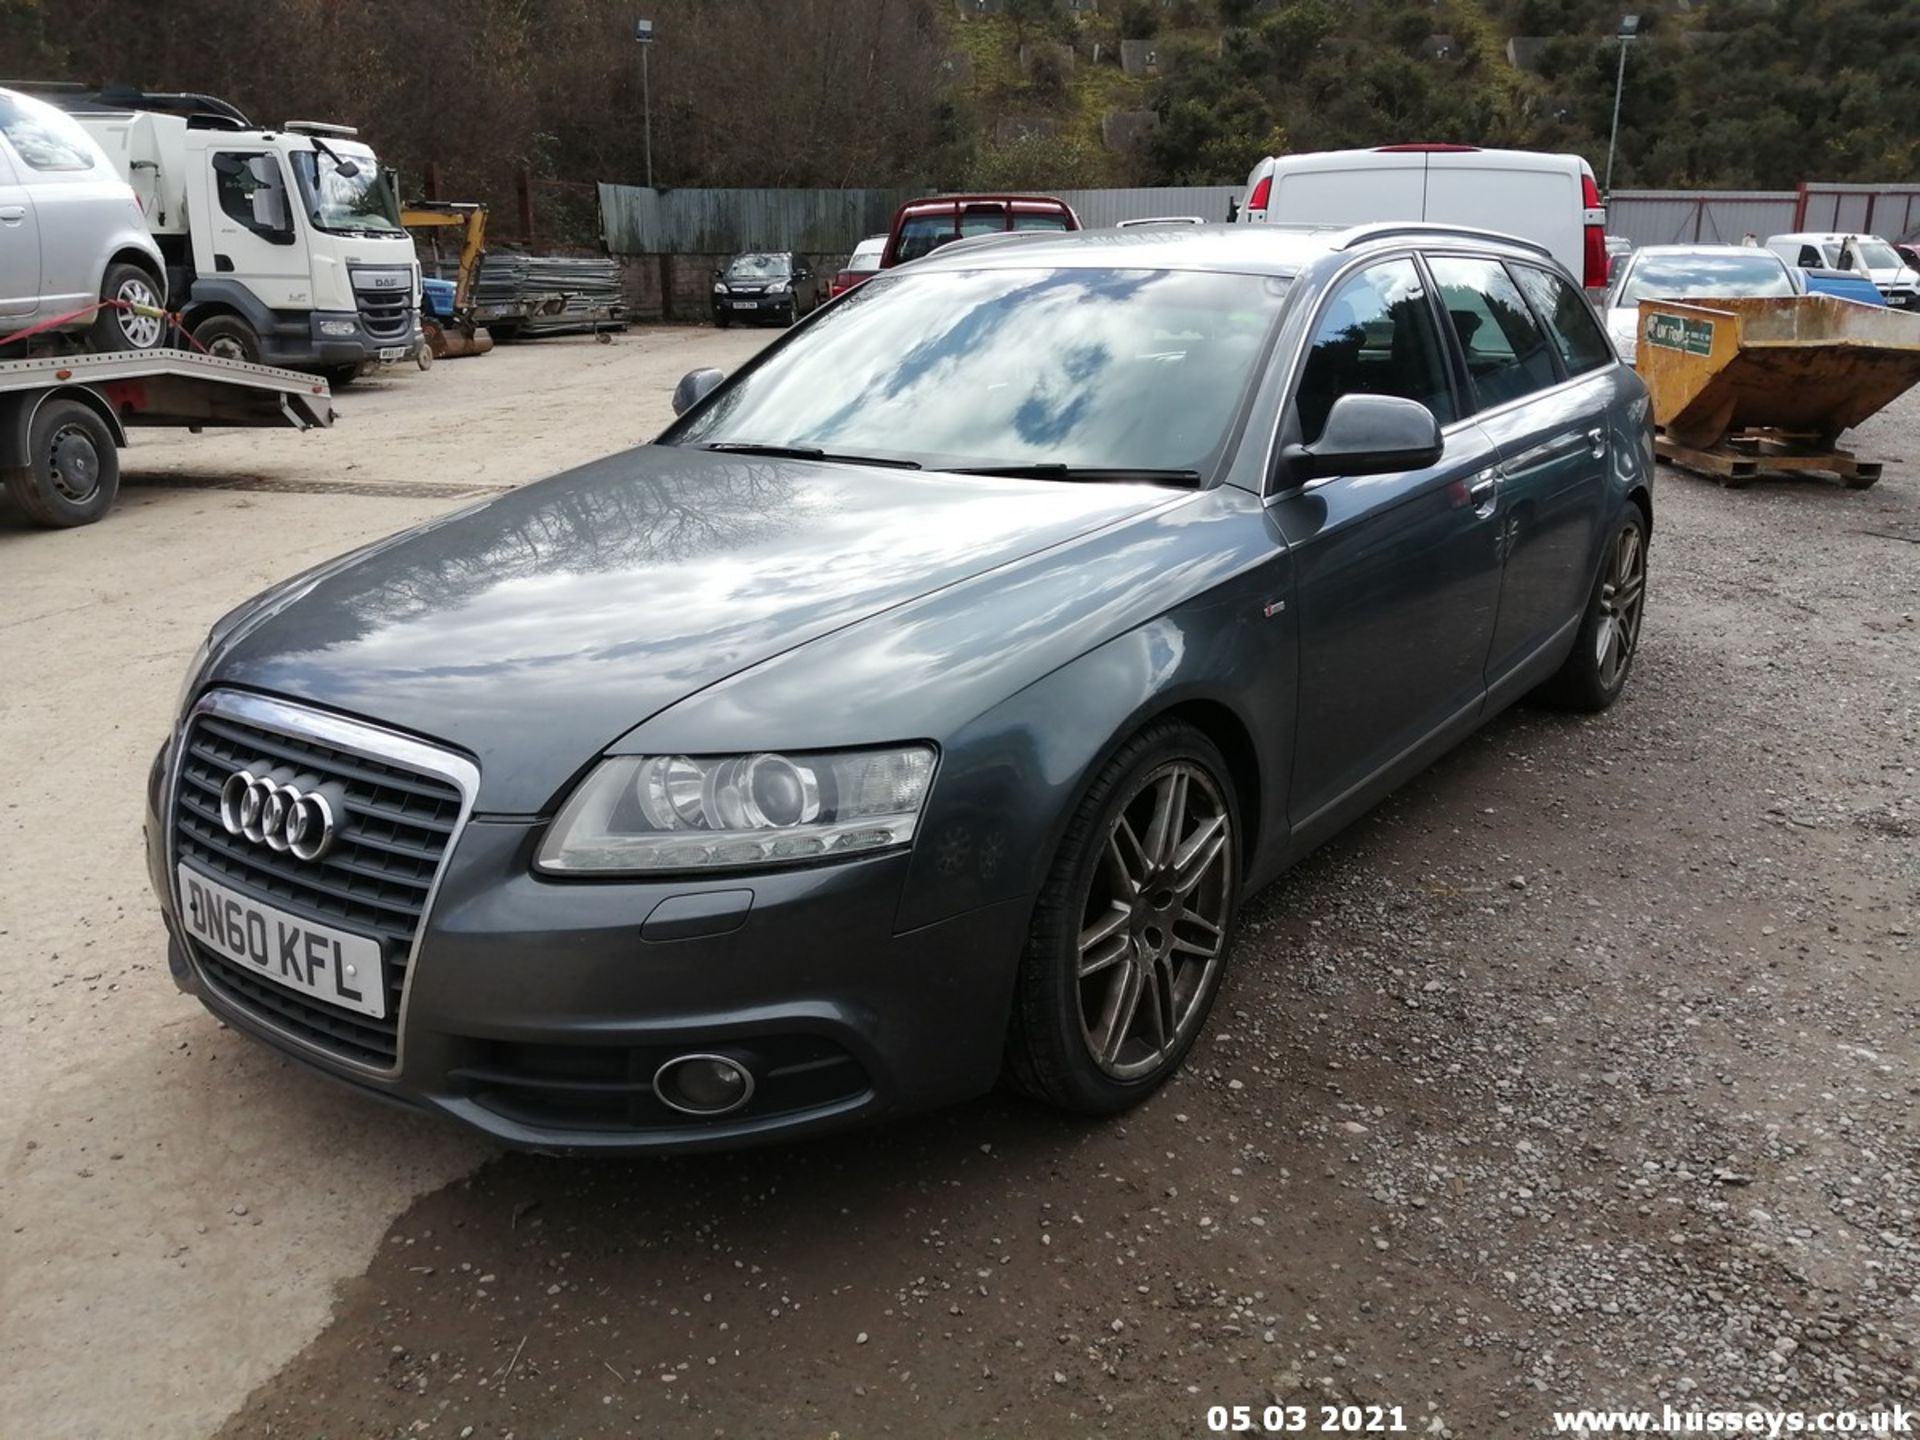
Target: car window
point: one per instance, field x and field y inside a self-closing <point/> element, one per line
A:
<point x="1135" y="369"/>
<point x="1377" y="336"/>
<point x="1570" y="319"/>
<point x="1725" y="272"/>
<point x="1810" y="258"/>
<point x="1036" y="220"/>
<point x="922" y="235"/>
<point x="43" y="137"/>
<point x="758" y="267"/>
<point x="982" y="220"/>
<point x="1507" y="354"/>
<point x="249" y="188"/>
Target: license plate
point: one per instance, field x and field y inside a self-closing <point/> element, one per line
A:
<point x="748" y="304"/>
<point x="331" y="965"/>
<point x="393" y="352"/>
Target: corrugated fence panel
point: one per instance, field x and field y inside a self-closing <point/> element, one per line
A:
<point x="1100" y="208"/>
<point x="639" y="221"/>
<point x="1892" y="211"/>
<point x="1685" y="217"/>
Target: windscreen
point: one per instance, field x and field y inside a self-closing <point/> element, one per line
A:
<point x="1678" y="277"/>
<point x="1876" y="255"/>
<point x="758" y="267"/>
<point x="346" y="192"/>
<point x="1118" y="369"/>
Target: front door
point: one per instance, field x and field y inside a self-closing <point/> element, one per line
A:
<point x="253" y="233"/>
<point x="19" y="243"/>
<point x="1397" y="577"/>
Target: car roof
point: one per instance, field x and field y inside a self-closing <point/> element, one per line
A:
<point x="1825" y="235"/>
<point x="1279" y="250"/>
<point x="1645" y="250"/>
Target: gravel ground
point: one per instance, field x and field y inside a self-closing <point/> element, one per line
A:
<point x="1581" y="1073"/>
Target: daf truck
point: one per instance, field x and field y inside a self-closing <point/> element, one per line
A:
<point x="283" y="246"/>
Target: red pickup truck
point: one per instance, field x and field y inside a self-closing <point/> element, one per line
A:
<point x="923" y="226"/>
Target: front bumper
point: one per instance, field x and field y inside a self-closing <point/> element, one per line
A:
<point x="537" y="1011"/>
<point x="754" y="307"/>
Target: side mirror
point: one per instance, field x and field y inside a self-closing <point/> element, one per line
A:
<point x="1368" y="435"/>
<point x="694" y="387"/>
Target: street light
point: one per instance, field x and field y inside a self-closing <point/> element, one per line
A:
<point x="1629" y="30"/>
<point x="643" y="36"/>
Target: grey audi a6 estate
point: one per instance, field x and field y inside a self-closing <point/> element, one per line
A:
<point x="918" y="708"/>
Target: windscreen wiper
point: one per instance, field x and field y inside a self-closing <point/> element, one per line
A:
<point x="806" y="452"/>
<point x="1112" y="474"/>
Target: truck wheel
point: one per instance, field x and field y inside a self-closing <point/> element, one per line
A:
<point x="117" y="329"/>
<point x="339" y="377"/>
<point x="229" y="337"/>
<point x="73" y="467"/>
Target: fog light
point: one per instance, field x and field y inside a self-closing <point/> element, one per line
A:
<point x="339" y="327"/>
<point x="703" y="1084"/>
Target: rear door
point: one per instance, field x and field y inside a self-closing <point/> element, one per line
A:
<point x="1365" y="187"/>
<point x="1539" y="201"/>
<point x="1540" y="389"/>
<point x="19" y="242"/>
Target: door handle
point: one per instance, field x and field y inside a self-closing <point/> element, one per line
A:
<point x="1483" y="492"/>
<point x="1597" y="442"/>
<point x="13" y="214"/>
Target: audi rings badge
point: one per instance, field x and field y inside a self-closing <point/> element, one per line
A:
<point x="277" y="814"/>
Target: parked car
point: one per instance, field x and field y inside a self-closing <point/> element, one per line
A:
<point x="1618" y="248"/>
<point x="1551" y="200"/>
<point x="777" y="286"/>
<point x="71" y="235"/>
<point x="1690" y="272"/>
<point x="1910" y="254"/>
<point x="922" y="226"/>
<point x="1866" y="255"/>
<point x="922" y="703"/>
<point x="863" y="264"/>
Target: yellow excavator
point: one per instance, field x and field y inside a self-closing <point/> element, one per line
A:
<point x="454" y="331"/>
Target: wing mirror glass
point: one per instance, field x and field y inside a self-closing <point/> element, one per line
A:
<point x="1367" y="435"/>
<point x="694" y="387"/>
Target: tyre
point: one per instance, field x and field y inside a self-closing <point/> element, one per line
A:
<point x="339" y="377"/>
<point x="1131" y="930"/>
<point x="1596" y="672"/>
<point x="229" y="337"/>
<point x="117" y="329"/>
<point x="73" y="467"/>
<point x="721" y="320"/>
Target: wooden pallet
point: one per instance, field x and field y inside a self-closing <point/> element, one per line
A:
<point x="1736" y="460"/>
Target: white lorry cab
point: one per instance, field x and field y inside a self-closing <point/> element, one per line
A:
<point x="283" y="246"/>
<point x="75" y="255"/>
<point x="1866" y="255"/>
<point x="1551" y="200"/>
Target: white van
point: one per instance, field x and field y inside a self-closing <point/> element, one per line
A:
<point x="1551" y="200"/>
<point x="1866" y="255"/>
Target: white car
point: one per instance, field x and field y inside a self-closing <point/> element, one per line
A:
<point x="71" y="235"/>
<point x="1551" y="200"/>
<point x="1866" y="255"/>
<point x="1690" y="272"/>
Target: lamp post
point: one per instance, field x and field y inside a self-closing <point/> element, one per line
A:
<point x="643" y="35"/>
<point x="1629" y="29"/>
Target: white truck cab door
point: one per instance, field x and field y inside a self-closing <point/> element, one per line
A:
<point x="252" y="231"/>
<point x="19" y="245"/>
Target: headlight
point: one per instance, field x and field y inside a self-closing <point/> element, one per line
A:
<point x="718" y="288"/>
<point x="641" y="813"/>
<point x="779" y="287"/>
<point x="339" y="327"/>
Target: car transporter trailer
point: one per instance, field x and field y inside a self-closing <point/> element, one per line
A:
<point x="64" y="418"/>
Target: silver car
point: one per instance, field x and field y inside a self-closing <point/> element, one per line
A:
<point x="1689" y="272"/>
<point x="73" y="242"/>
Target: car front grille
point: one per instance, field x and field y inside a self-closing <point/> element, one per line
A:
<point x="375" y="880"/>
<point x="386" y="314"/>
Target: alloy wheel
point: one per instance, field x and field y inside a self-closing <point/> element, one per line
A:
<point x="1154" y="923"/>
<point x="1621" y="595"/>
<point x="142" y="331"/>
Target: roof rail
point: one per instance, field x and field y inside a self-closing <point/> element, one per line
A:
<point x="1382" y="230"/>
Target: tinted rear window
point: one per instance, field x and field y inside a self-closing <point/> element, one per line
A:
<point x="1507" y="354"/>
<point x="1569" y="318"/>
